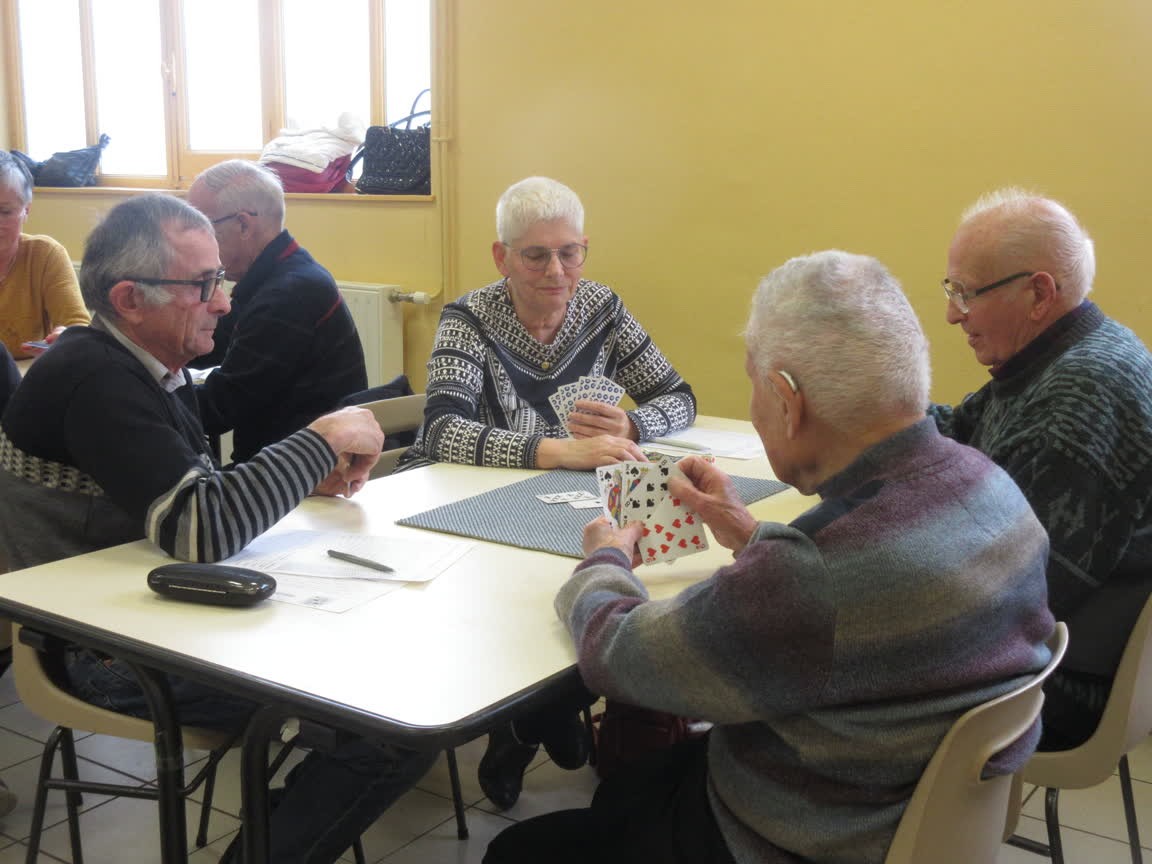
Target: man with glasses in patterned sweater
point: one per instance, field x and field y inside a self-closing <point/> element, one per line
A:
<point x="1068" y="414"/>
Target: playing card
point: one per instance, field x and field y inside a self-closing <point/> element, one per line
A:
<point x="671" y="532"/>
<point x="608" y="479"/>
<point x="594" y="388"/>
<point x="562" y="401"/>
<point x="643" y="488"/>
<point x="566" y="497"/>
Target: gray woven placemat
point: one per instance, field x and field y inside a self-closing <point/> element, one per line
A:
<point x="512" y="514"/>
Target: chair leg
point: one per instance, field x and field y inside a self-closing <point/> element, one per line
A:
<point x="1130" y="811"/>
<point x="1052" y="819"/>
<point x="41" y="802"/>
<point x="358" y="852"/>
<point x="590" y="731"/>
<point x="71" y="796"/>
<point x="457" y="794"/>
<point x="206" y="808"/>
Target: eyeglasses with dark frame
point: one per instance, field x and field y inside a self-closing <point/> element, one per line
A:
<point x="208" y="286"/>
<point x="232" y="216"/>
<point x="959" y="295"/>
<point x="539" y="257"/>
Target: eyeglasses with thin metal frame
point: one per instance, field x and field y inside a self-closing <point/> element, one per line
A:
<point x="539" y="257"/>
<point x="959" y="295"/>
<point x="208" y="286"/>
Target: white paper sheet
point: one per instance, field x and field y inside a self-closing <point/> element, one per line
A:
<point x="305" y="553"/>
<point x="732" y="445"/>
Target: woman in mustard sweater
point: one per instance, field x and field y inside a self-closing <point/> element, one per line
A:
<point x="39" y="294"/>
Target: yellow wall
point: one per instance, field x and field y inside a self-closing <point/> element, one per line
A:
<point x="710" y="145"/>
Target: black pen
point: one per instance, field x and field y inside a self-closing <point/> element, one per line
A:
<point x="363" y="562"/>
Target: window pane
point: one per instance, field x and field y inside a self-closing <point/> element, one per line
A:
<point x="52" y="76"/>
<point x="407" y="53"/>
<point x="130" y="86"/>
<point x="223" y="71"/>
<point x="325" y="77"/>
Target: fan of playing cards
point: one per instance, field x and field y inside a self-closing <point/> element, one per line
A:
<point x="638" y="492"/>
<point x="595" y="388"/>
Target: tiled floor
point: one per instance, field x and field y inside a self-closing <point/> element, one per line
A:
<point x="420" y="828"/>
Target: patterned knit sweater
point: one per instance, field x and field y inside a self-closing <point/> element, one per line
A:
<point x="94" y="452"/>
<point x="1070" y="418"/>
<point x="835" y="652"/>
<point x="489" y="380"/>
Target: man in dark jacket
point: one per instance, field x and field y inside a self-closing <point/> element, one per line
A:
<point x="288" y="350"/>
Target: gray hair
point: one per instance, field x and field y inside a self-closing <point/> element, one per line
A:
<point x="533" y="200"/>
<point x="131" y="242"/>
<point x="841" y="326"/>
<point x="241" y="185"/>
<point x="1041" y="233"/>
<point x="14" y="173"/>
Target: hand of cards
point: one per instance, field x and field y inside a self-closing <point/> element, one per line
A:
<point x="595" y="388"/>
<point x="638" y="492"/>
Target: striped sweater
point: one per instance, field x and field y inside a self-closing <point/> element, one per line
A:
<point x="489" y="380"/>
<point x="95" y="452"/>
<point x="1070" y="418"/>
<point x="835" y="652"/>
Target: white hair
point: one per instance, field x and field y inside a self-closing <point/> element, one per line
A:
<point x="1042" y="234"/>
<point x="533" y="200"/>
<point x="238" y="185"/>
<point x="841" y="326"/>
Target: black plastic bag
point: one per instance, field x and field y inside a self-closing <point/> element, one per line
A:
<point x="66" y="168"/>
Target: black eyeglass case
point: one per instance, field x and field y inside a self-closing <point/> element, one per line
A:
<point x="215" y="584"/>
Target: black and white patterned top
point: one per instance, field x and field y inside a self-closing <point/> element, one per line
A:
<point x="489" y="379"/>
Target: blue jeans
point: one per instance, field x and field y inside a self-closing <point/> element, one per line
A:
<point x="330" y="798"/>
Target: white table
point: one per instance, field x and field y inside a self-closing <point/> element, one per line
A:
<point x="429" y="665"/>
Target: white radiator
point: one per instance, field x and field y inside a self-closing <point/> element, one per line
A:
<point x="380" y="322"/>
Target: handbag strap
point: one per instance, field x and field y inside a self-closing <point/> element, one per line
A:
<point x="407" y="121"/>
<point x="419" y="96"/>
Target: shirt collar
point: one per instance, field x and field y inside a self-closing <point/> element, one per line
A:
<point x="169" y="381"/>
<point x="1087" y="312"/>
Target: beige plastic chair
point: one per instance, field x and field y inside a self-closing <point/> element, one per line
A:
<point x="40" y="693"/>
<point x="955" y="816"/>
<point x="402" y="414"/>
<point x="1126" y="722"/>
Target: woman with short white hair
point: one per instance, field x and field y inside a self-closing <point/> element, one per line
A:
<point x="39" y="294"/>
<point x="503" y="350"/>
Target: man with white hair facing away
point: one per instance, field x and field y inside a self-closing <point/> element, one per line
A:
<point x="1068" y="413"/>
<point x="834" y="653"/>
<point x="288" y="351"/>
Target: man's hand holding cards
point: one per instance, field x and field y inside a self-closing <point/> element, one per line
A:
<point x="638" y="492"/>
<point x="597" y="412"/>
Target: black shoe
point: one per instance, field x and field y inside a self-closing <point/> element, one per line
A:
<point x="501" y="771"/>
<point x="566" y="741"/>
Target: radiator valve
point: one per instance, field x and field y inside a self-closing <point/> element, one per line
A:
<point x="398" y="296"/>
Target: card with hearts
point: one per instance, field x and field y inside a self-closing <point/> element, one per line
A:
<point x="638" y="492"/>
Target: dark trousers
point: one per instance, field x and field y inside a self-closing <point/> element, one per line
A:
<point x="655" y="811"/>
<point x="330" y="798"/>
<point x="1073" y="705"/>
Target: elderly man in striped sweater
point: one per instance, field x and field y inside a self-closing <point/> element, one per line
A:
<point x="835" y="652"/>
<point x="102" y="444"/>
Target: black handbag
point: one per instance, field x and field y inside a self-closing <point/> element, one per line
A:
<point x="67" y="168"/>
<point x="397" y="157"/>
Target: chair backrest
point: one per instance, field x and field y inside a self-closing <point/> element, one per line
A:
<point x="41" y="696"/>
<point x="955" y="816"/>
<point x="1127" y="721"/>
<point x="402" y="414"/>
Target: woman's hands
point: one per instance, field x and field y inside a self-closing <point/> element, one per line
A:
<point x="589" y="419"/>
<point x="582" y="453"/>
